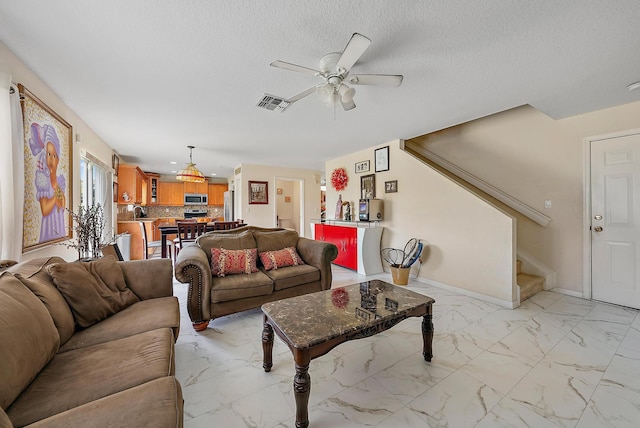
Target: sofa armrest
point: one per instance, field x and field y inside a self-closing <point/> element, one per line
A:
<point x="192" y="267"/>
<point x="319" y="254"/>
<point x="148" y="279"/>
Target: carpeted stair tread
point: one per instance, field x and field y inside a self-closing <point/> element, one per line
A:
<point x="529" y="285"/>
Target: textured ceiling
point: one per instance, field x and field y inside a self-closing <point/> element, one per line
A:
<point x="153" y="76"/>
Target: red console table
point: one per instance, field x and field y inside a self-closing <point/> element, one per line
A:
<point x="358" y="246"/>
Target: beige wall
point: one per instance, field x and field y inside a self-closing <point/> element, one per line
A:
<point x="534" y="158"/>
<point x="91" y="143"/>
<point x="470" y="242"/>
<point x="265" y="215"/>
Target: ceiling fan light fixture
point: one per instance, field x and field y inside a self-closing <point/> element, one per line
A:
<point x="347" y="93"/>
<point x="190" y="173"/>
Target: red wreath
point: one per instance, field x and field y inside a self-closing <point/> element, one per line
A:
<point x="339" y="179"/>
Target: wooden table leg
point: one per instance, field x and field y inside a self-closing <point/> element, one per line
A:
<point x="427" y="336"/>
<point x="267" y="346"/>
<point x="302" y="388"/>
<point x="163" y="241"/>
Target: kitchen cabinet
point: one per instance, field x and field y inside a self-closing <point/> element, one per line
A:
<point x="170" y="193"/>
<point x="216" y="193"/>
<point x="133" y="228"/>
<point x="131" y="179"/>
<point x="157" y="234"/>
<point x="197" y="187"/>
<point x="358" y="246"/>
<point x="152" y="188"/>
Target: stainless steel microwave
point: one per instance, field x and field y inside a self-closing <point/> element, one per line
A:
<point x="196" y="199"/>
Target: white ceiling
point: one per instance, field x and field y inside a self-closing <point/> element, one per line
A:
<point x="153" y="76"/>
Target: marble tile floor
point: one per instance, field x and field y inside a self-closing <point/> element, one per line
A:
<point x="557" y="361"/>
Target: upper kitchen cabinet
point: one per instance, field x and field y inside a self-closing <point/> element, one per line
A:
<point x="133" y="183"/>
<point x="170" y="193"/>
<point x="216" y="193"/>
<point x="153" y="181"/>
<point x="196" y="187"/>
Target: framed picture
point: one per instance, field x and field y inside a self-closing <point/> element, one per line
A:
<point x="362" y="166"/>
<point x="287" y="198"/>
<point x="115" y="192"/>
<point x="368" y="186"/>
<point x="115" y="164"/>
<point x="258" y="192"/>
<point x="48" y="168"/>
<point x="382" y="159"/>
<point x="279" y="190"/>
<point x="391" y="186"/>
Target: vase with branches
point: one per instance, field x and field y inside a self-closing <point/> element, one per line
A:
<point x="89" y="226"/>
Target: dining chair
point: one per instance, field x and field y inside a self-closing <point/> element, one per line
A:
<point x="151" y="245"/>
<point x="226" y="225"/>
<point x="188" y="231"/>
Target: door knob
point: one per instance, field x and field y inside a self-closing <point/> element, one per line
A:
<point x="598" y="229"/>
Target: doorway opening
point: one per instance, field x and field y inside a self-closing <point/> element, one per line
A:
<point x="290" y="204"/>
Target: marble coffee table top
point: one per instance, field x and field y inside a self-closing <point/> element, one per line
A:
<point x="314" y="318"/>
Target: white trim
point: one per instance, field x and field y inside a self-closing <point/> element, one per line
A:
<point x="465" y="292"/>
<point x="571" y="293"/>
<point x="586" y="206"/>
<point x="503" y="197"/>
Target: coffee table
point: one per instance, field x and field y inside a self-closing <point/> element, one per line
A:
<point x="313" y="324"/>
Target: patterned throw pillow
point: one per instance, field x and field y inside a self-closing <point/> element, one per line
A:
<point x="229" y="262"/>
<point x="281" y="258"/>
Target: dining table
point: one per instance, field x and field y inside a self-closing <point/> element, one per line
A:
<point x="171" y="228"/>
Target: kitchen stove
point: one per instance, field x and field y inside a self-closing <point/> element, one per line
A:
<point x="195" y="212"/>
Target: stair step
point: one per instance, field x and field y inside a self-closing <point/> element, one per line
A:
<point x="518" y="267"/>
<point x="529" y="285"/>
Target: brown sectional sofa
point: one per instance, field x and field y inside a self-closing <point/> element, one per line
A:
<point x="118" y="372"/>
<point x="210" y="296"/>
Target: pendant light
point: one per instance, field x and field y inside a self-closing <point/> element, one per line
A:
<point x="190" y="174"/>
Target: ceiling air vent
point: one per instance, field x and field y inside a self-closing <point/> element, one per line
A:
<point x="272" y="102"/>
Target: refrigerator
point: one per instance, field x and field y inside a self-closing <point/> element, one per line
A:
<point x="228" y="206"/>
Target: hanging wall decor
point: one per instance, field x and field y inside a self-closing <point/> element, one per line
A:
<point x="48" y="167"/>
<point x="339" y="179"/>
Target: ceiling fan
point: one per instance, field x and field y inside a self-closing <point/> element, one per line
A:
<point x="334" y="70"/>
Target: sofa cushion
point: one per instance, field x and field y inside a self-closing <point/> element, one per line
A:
<point x="77" y="377"/>
<point x="229" y="262"/>
<point x="33" y="274"/>
<point x="234" y="287"/>
<point x="275" y="240"/>
<point x="143" y="316"/>
<point x="160" y="407"/>
<point x="94" y="290"/>
<point x="5" y="422"/>
<point x="293" y="276"/>
<point x="28" y="337"/>
<point x="230" y="241"/>
<point x="280" y="258"/>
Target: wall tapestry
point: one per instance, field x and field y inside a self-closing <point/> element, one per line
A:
<point x="48" y="167"/>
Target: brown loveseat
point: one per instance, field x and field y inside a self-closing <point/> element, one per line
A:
<point x="211" y="296"/>
<point x="116" y="372"/>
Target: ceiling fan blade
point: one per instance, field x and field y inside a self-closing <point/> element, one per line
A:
<point x="375" y="79"/>
<point x="294" y="67"/>
<point x="301" y="95"/>
<point x="352" y="52"/>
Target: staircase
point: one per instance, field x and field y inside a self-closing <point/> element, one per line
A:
<point x="529" y="284"/>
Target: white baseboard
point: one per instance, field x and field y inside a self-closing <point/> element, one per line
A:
<point x="568" y="292"/>
<point x="465" y="292"/>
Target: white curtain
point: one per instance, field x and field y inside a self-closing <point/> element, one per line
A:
<point x="11" y="170"/>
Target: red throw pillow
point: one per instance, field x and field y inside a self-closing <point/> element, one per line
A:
<point x="229" y="262"/>
<point x="280" y="258"/>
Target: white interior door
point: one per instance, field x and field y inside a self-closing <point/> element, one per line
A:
<point x="615" y="220"/>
